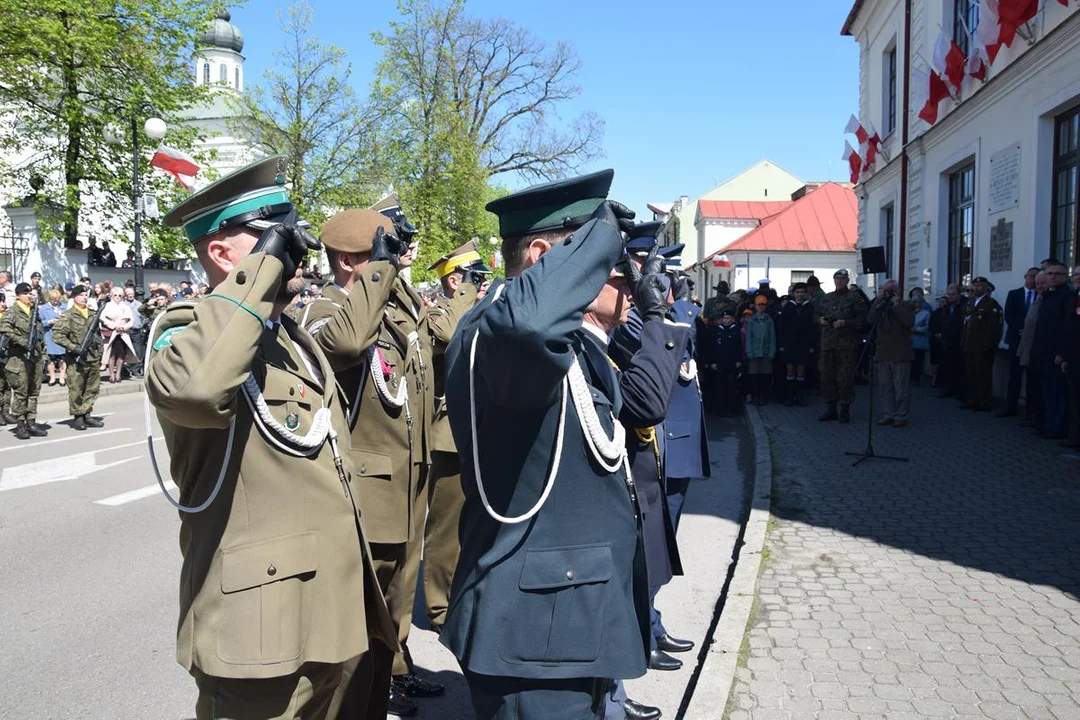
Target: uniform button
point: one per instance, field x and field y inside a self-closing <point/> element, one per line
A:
<point x="569" y="574"/>
<point x="241" y="277"/>
<point x="363" y="469"/>
<point x="669" y="345"/>
<point x="271" y="570"/>
<point x="375" y="276"/>
<point x="292" y="391"/>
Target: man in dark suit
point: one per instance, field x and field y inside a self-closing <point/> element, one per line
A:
<point x="1017" y="304"/>
<point x="951" y="370"/>
<point x="550" y="600"/>
<point x="1048" y="348"/>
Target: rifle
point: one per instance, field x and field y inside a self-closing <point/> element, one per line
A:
<point x="32" y="339"/>
<point x="90" y="336"/>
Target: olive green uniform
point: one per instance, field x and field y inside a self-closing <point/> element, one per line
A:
<point x="83" y="381"/>
<point x="983" y="323"/>
<point x="24" y="365"/>
<point x="444" y="494"/>
<point x="840" y="346"/>
<point x="278" y="593"/>
<point x="389" y="444"/>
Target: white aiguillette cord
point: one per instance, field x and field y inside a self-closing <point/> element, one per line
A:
<point x="321" y="430"/>
<point x="609" y="453"/>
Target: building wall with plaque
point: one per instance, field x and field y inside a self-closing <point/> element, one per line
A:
<point x="980" y="195"/>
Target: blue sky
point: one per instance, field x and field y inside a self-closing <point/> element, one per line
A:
<point x="691" y="91"/>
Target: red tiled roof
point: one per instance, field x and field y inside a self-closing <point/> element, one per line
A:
<point x="741" y="209"/>
<point x="825" y="220"/>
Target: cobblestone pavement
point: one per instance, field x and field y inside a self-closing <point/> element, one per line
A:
<point x="943" y="587"/>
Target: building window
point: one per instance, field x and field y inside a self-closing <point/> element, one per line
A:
<point x="206" y="73"/>
<point x="961" y="224"/>
<point x="800" y="276"/>
<point x="965" y="20"/>
<point x="223" y="74"/>
<point x="888" y="232"/>
<point x="1066" y="168"/>
<point x="890" y="97"/>
<point x="237" y="78"/>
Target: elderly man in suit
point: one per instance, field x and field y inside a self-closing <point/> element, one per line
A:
<point x="550" y="599"/>
<point x="1017" y="304"/>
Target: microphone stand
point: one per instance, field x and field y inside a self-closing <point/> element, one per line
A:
<point x="868" y="453"/>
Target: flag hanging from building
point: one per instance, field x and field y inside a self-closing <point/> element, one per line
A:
<point x="177" y="163"/>
<point x="931" y="91"/>
<point x="1014" y="14"/>
<point x="988" y="31"/>
<point x="976" y="65"/>
<point x="721" y="261"/>
<point x="853" y="160"/>
<point x="855" y="128"/>
<point x="949" y="61"/>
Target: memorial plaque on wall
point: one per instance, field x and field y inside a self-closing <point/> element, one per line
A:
<point x="1004" y="180"/>
<point x="1001" y="246"/>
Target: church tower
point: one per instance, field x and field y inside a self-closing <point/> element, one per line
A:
<point x="218" y="62"/>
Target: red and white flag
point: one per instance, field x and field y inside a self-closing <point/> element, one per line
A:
<point x="1014" y="14"/>
<point x="853" y="160"/>
<point x="721" y="261"/>
<point x="949" y="61"/>
<point x="855" y="128"/>
<point x="177" y="163"/>
<point x="977" y="65"/>
<point x="988" y="31"/>
<point x="931" y="91"/>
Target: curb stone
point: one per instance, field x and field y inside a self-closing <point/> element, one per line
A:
<point x="57" y="394"/>
<point x="718" y="672"/>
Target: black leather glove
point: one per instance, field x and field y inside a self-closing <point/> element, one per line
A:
<point x="647" y="288"/>
<point x="289" y="243"/>
<point x="615" y="214"/>
<point x="476" y="278"/>
<point x="387" y="247"/>
<point x="680" y="286"/>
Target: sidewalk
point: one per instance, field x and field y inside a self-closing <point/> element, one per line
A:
<point x="945" y="586"/>
<point x="57" y="394"/>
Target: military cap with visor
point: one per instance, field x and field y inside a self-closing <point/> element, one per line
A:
<point x="551" y="206"/>
<point x="643" y="236"/>
<point x="464" y="258"/>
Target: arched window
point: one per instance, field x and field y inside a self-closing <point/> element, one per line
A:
<point x="237" y="78"/>
<point x="206" y="73"/>
<point x="223" y="74"/>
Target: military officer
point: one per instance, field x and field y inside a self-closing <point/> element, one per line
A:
<point x="83" y="373"/>
<point x="279" y="601"/>
<point x="550" y="597"/>
<point x="25" y="360"/>
<point x="462" y="276"/>
<point x="842" y="316"/>
<point x="981" y="336"/>
<point x="373" y="344"/>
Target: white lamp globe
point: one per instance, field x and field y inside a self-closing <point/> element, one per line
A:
<point x="113" y="134"/>
<point x="155" y="128"/>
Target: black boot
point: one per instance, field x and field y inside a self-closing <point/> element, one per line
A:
<point x="79" y="423"/>
<point x="92" y="421"/>
<point x="845" y="413"/>
<point x="21" y="432"/>
<point x="36" y="429"/>
<point x="5" y="418"/>
<point x="829" y="414"/>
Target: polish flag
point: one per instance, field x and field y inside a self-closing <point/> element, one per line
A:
<point x="1013" y="14"/>
<point x="988" y="31"/>
<point x="177" y="163"/>
<point x="721" y="261"/>
<point x="931" y="91"/>
<point x="855" y="128"/>
<point x="976" y="66"/>
<point x="949" y="60"/>
<point x="853" y="160"/>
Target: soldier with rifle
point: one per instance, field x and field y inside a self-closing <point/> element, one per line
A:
<point x="78" y="332"/>
<point x="25" y="360"/>
<point x="5" y="391"/>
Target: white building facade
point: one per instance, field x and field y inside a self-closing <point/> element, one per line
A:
<point x="990" y="188"/>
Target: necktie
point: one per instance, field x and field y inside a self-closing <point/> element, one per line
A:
<point x="1027" y="300"/>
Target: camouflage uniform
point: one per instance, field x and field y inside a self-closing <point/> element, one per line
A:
<point x="83" y="381"/>
<point x="840" y="346"/>
<point x="23" y="376"/>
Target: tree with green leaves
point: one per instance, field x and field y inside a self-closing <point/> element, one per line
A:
<point x="306" y="109"/>
<point x="71" y="68"/>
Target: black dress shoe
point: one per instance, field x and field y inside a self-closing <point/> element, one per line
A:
<point x="637" y="711"/>
<point x="400" y="705"/>
<point x="660" y="660"/>
<point x="673" y="645"/>
<point x="414" y="686"/>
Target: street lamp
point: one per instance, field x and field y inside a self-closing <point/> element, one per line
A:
<point x="155" y="129"/>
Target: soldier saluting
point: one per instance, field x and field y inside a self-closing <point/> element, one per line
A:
<point x="366" y="323"/>
<point x="25" y="360"/>
<point x="278" y="596"/>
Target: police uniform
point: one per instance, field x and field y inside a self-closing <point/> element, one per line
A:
<point x="370" y="335"/>
<point x="278" y="594"/>
<point x="983" y="325"/>
<point x="83" y="373"/>
<point x="445" y="497"/>
<point x="840" y="347"/>
<point x="25" y="360"/>
<point x="547" y="608"/>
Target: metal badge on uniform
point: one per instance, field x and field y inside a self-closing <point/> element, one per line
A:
<point x="292" y="421"/>
<point x="302" y="388"/>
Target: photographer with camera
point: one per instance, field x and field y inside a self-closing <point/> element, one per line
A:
<point x="892" y="318"/>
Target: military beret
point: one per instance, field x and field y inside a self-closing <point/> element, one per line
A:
<point x="842" y="272"/>
<point x="799" y="286"/>
<point x="78" y="290"/>
<point x="549" y="206"/>
<point x="254" y="195"/>
<point x="23" y="287"/>
<point x="643" y="236"/>
<point x="352" y="231"/>
<point x="727" y="313"/>
<point x="35" y="274"/>
<point x="984" y="281"/>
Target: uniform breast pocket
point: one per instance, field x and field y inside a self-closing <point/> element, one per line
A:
<point x="675" y="429"/>
<point x="560" y="607"/>
<point x="267" y="599"/>
<point x="289" y="401"/>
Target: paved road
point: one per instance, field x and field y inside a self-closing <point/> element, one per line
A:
<point x="89" y="561"/>
<point x="943" y="587"/>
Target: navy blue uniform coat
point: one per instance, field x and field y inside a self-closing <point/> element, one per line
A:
<point x="564" y="594"/>
<point x="1015" y="314"/>
<point x="687" y="451"/>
